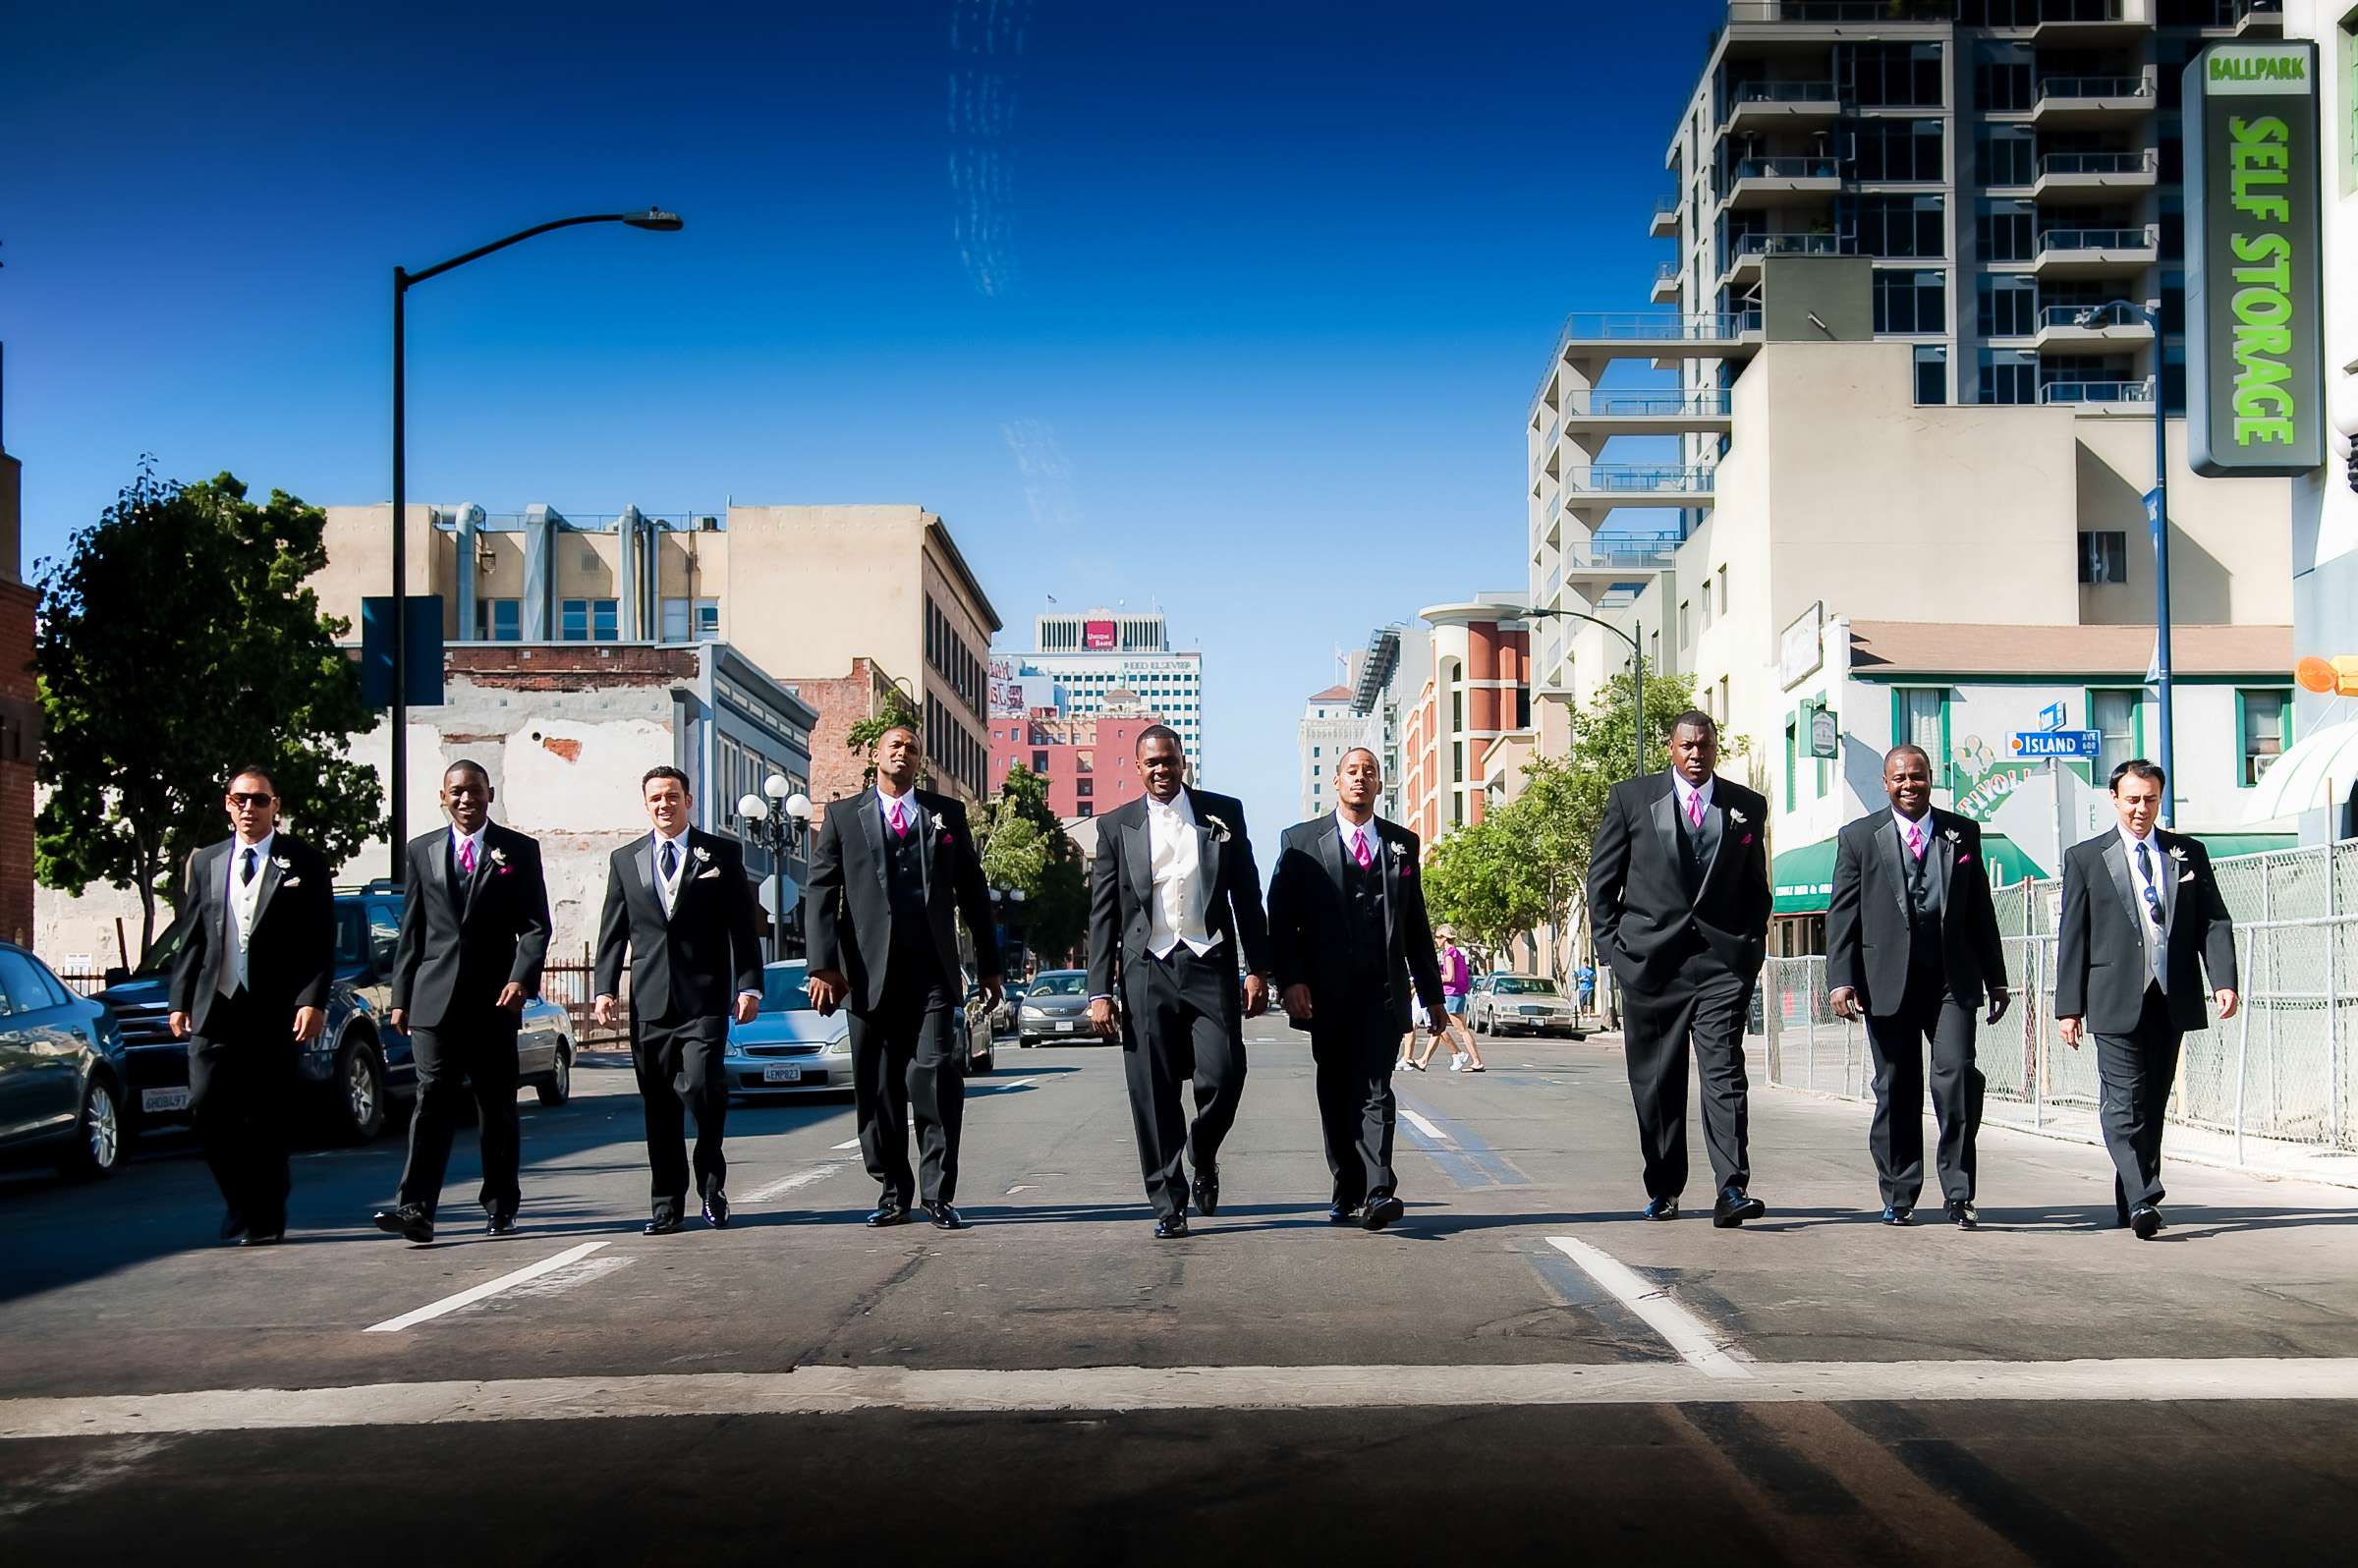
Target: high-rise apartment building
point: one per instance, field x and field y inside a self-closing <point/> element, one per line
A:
<point x="1386" y="678"/>
<point x="1329" y="727"/>
<point x="1094" y="654"/>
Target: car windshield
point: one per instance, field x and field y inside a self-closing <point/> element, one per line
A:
<point x="1525" y="985"/>
<point x="160" y="960"/>
<point x="782" y="988"/>
<point x="1061" y="982"/>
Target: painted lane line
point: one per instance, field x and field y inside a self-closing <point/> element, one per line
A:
<point x="1424" y="1126"/>
<point x="489" y="1287"/>
<point x="800" y="1179"/>
<point x="1683" y="1331"/>
<point x="848" y="1142"/>
<point x="844" y="1390"/>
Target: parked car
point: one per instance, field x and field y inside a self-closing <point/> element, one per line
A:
<point x="358" y="1076"/>
<point x="1056" y="1006"/>
<point x="62" y="1072"/>
<point x="790" y="1050"/>
<point x="1521" y="1004"/>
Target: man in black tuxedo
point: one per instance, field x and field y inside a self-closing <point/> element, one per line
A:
<point x="474" y="936"/>
<point x="892" y="869"/>
<point x="250" y="984"/>
<point x="1174" y="902"/>
<point x="1351" y="946"/>
<point x="679" y="903"/>
<point x="1678" y="898"/>
<point x="2142" y="924"/>
<point x="1911" y="943"/>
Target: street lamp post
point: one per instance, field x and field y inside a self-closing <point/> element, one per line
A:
<point x="398" y="787"/>
<point x="2158" y="523"/>
<point x="779" y="831"/>
<point x="1011" y="912"/>
<point x="1637" y="669"/>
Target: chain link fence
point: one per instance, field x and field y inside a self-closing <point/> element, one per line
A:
<point x="2279" y="1071"/>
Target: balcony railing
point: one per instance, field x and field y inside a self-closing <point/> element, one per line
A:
<point x="1744" y="245"/>
<point x="2097" y="392"/>
<point x="1638" y="478"/>
<point x="1667" y="272"/>
<point x="2095" y="88"/>
<point x="2097" y="163"/>
<point x="1650" y="327"/>
<point x="1842" y="11"/>
<point x="1781" y="91"/>
<point x="1667" y="403"/>
<point x="1611" y="550"/>
<point x="1786" y="169"/>
<point x="2096" y="239"/>
<point x="2093" y="318"/>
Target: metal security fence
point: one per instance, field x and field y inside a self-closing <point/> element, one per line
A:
<point x="2280" y="1069"/>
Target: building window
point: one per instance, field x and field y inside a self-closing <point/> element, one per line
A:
<point x="1084" y="788"/>
<point x="499" y="620"/>
<point x="2113" y="715"/>
<point x="1686" y="623"/>
<point x="691" y="619"/>
<point x="1917" y="720"/>
<point x="1910" y="302"/>
<point x="1721" y="576"/>
<point x="1792" y="753"/>
<point x="1932" y="372"/>
<point x="2264" y="724"/>
<point x="590" y="620"/>
<point x="2009" y="305"/>
<point x="2008" y="155"/>
<point x="2105" y="556"/>
<point x="1083" y="809"/>
<point x="2009" y="375"/>
<point x="2006" y="231"/>
<point x="1893" y="225"/>
<point x="1722" y="715"/>
<point x="1896" y="150"/>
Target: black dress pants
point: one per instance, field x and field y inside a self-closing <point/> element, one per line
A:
<point x="679" y="1070"/>
<point x="908" y="1061"/>
<point x="1184" y="1024"/>
<point x="1353" y="1043"/>
<point x="1899" y="1044"/>
<point x="472" y="1053"/>
<point x="1703" y="1002"/>
<point x="2137" y="1071"/>
<point x="242" y="1098"/>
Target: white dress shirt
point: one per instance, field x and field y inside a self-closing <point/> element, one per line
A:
<point x="245" y="902"/>
<point x="1176" y="913"/>
<point x="1923" y="824"/>
<point x="907" y="803"/>
<point x="1687" y="794"/>
<point x="1353" y="832"/>
<point x="2159" y="865"/>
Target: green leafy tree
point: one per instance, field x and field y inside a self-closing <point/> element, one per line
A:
<point x="1473" y="884"/>
<point x="898" y="712"/>
<point x="1026" y="849"/>
<point x="178" y="641"/>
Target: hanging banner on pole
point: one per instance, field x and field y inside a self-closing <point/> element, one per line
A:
<point x="2255" y="327"/>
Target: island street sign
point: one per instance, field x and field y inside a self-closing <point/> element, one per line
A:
<point x="2064" y="745"/>
<point x="2255" y="326"/>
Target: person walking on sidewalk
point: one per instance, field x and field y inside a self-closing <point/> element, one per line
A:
<point x="1457" y="981"/>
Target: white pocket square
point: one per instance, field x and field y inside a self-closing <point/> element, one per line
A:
<point x="2185" y="876"/>
<point x="705" y="876"/>
<point x="292" y="881"/>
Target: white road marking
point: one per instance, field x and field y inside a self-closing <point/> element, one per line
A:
<point x="1019" y="1187"/>
<point x="1686" y="1333"/>
<point x="489" y="1287"/>
<point x="848" y="1142"/>
<point x="1424" y="1126"/>
<point x="842" y="1391"/>
<point x="800" y="1179"/>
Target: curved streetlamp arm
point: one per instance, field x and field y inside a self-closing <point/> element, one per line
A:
<point x="1575" y="615"/>
<point x="479" y="252"/>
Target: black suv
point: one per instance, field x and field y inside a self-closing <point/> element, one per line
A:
<point x="358" y="1065"/>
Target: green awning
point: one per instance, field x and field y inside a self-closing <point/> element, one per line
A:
<point x="1803" y="879"/>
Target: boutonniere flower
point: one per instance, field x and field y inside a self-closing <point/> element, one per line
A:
<point x="500" y="856"/>
<point x="1952" y="835"/>
<point x="2178" y="852"/>
<point x="1738" y="817"/>
<point x="1219" y="829"/>
<point x="701" y="854"/>
<point x="282" y="863"/>
<point x="1399" y="851"/>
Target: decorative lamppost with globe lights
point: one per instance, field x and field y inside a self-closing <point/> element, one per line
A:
<point x="778" y="829"/>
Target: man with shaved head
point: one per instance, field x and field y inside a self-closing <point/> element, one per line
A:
<point x="892" y="869"/>
<point x="1911" y="945"/>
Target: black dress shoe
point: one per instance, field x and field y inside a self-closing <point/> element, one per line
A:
<point x="1660" y="1209"/>
<point x="1899" y="1214"/>
<point x="2145" y="1219"/>
<point x="1961" y="1214"/>
<point x="662" y="1225"/>
<point x="408" y="1221"/>
<point x="1735" y="1206"/>
<point x="1208" y="1190"/>
<point x="232" y="1225"/>
<point x="501" y="1222"/>
<point x="1382" y="1211"/>
<point x="716" y="1209"/>
<point x="1341" y="1214"/>
<point x="262" y="1238"/>
<point x="887" y="1212"/>
<point x="1171" y="1226"/>
<point x="944" y="1217"/>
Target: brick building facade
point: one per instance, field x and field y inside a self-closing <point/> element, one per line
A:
<point x="1089" y="760"/>
<point x="841" y="702"/>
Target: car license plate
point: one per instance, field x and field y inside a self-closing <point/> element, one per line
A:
<point x="1064" y="1026"/>
<point x="781" y="1074"/>
<point x="163" y="1099"/>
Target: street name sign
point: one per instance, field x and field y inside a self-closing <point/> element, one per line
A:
<point x="2064" y="745"/>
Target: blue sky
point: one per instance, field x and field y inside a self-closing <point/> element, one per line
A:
<point x="1231" y="308"/>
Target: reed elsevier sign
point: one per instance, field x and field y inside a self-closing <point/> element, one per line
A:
<point x="2255" y="331"/>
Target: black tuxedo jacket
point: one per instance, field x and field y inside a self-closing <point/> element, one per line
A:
<point x="291" y="961"/>
<point x="2100" y="951"/>
<point x="694" y="961"/>
<point x="1310" y="927"/>
<point x="1637" y="903"/>
<point x="847" y="910"/>
<point x="1121" y="887"/>
<point x="1867" y="919"/>
<point x="462" y="942"/>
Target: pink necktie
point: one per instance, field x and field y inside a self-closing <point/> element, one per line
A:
<point x="467" y="856"/>
<point x="900" y="823"/>
<point x="1695" y="809"/>
<point x="1359" y="851"/>
<point x="1916" y="840"/>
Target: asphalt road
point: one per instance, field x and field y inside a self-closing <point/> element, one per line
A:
<point x="1521" y="1366"/>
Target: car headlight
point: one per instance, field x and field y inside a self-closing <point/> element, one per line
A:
<point x="840" y="1045"/>
<point x="1035" y="1013"/>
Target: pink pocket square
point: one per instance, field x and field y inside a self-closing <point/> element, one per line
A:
<point x="1962" y="858"/>
<point x="1747" y="839"/>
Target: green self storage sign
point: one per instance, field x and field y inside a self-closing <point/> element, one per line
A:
<point x="2254" y="328"/>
